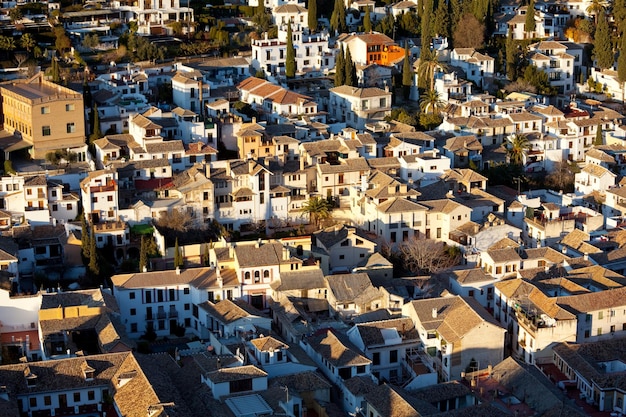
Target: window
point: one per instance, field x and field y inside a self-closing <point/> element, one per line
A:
<point x="71" y="127"/>
<point x="69" y="206"/>
<point x="186" y="306"/>
<point x="77" y="397"/>
<point x="376" y="358"/>
<point x="133" y="327"/>
<point x="47" y="400"/>
<point x="55" y="207"/>
<point x="131" y="295"/>
<point x="69" y="107"/>
<point x="45" y="130"/>
<point x="133" y="311"/>
<point x="45" y="110"/>
<point x="91" y="395"/>
<point x="599" y="331"/>
<point x="33" y="401"/>
<point x="600" y="315"/>
<point x="393" y="356"/>
<point x="186" y="291"/>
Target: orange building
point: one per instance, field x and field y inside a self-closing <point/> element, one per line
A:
<point x="372" y="48"/>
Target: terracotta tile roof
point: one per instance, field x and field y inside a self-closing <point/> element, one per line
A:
<point x="366" y="92"/>
<point x="227" y="311"/>
<point x="600" y="155"/>
<point x="235" y="374"/>
<point x="132" y="397"/>
<point x="455" y="317"/>
<point x="594" y="301"/>
<point x="390" y="401"/>
<point x="373" y="333"/>
<point x="442" y="392"/>
<point x="268" y="344"/>
<point x="162" y="278"/>
<point x="352" y="288"/>
<point x="360" y="385"/>
<point x="458" y="143"/>
<point x="304" y="279"/>
<point x="302" y="382"/>
<point x="504" y="255"/>
<point x="468" y="276"/>
<point x="336" y="349"/>
<point x="267" y="254"/>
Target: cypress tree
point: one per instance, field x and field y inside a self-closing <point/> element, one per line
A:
<point x="599" y="141"/>
<point x="96" y="133"/>
<point x="441" y="25"/>
<point x="529" y="24"/>
<point x="427" y="24"/>
<point x="312" y="15"/>
<point x="350" y="70"/>
<point x="621" y="64"/>
<point x="178" y="258"/>
<point x="94" y="267"/>
<point x="143" y="254"/>
<point x="407" y="72"/>
<point x="290" y="60"/>
<point x="84" y="239"/>
<point x="338" y="18"/>
<point x="602" y="49"/>
<point x="206" y="259"/>
<point x="340" y="68"/>
<point x="367" y="21"/>
<point x="56" y="77"/>
<point x="511" y="57"/>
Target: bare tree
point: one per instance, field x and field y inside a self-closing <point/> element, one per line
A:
<point x="20" y="58"/>
<point x="427" y="256"/>
<point x="178" y="220"/>
<point x="562" y="177"/>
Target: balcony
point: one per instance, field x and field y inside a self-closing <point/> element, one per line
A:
<point x="172" y="314"/>
<point x="161" y="315"/>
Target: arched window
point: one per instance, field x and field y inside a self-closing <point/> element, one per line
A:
<point x="257" y="276"/>
<point x="266" y="274"/>
<point x="247" y="275"/>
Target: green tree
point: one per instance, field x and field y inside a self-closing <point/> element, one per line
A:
<point x="427" y="24"/>
<point x="62" y="41"/>
<point x="539" y="79"/>
<point x="318" y="209"/>
<point x="441" y="24"/>
<point x="178" y="257"/>
<point x="351" y="79"/>
<point x="143" y="254"/>
<point x="340" y="68"/>
<point x="597" y="8"/>
<point x="602" y="49"/>
<point x="529" y="23"/>
<point x="206" y="256"/>
<point x="312" y="17"/>
<point x="84" y="238"/>
<point x="28" y="42"/>
<point x="599" y="138"/>
<point x="428" y="65"/>
<point x="517" y="147"/>
<point x="431" y="102"/>
<point x="94" y="266"/>
<point x="386" y="24"/>
<point x="290" y="59"/>
<point x="15" y="14"/>
<point x="96" y="132"/>
<point x="338" y="18"/>
<point x="91" y="41"/>
<point x="407" y="72"/>
<point x="56" y="77"/>
<point x="621" y="64"/>
<point x="367" y="21"/>
<point x="511" y="57"/>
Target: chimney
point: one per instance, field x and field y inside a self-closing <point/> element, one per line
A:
<point x="254" y="120"/>
<point x="434" y="313"/>
<point x="301" y="163"/>
<point x="258" y="243"/>
<point x="586" y="256"/>
<point x="220" y="280"/>
<point x="564" y="250"/>
<point x="207" y="169"/>
<point x="145" y="269"/>
<point x="228" y="169"/>
<point x="178" y="270"/>
<point x="286" y="254"/>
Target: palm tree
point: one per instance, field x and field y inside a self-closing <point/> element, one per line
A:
<point x="595" y="8"/>
<point x="432" y="102"/>
<point x="516" y="148"/>
<point x="317" y="208"/>
<point x="428" y="65"/>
